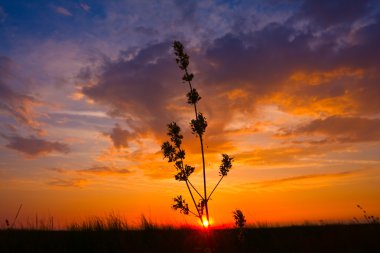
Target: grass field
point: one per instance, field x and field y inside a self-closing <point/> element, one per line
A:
<point x="323" y="238"/>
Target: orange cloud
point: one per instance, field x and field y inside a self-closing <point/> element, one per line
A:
<point x="310" y="179"/>
<point x="60" y="182"/>
<point x="104" y="171"/>
<point x="340" y="129"/>
<point x="319" y="77"/>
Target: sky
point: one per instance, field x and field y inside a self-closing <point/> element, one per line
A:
<point x="290" y="89"/>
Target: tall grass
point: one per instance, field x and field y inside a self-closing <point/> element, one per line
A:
<point x="111" y="222"/>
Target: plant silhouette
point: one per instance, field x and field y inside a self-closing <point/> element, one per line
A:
<point x="173" y="151"/>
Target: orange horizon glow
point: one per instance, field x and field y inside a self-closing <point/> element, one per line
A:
<point x="289" y="90"/>
<point x="205" y="222"/>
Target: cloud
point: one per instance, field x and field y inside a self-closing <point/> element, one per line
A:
<point x="34" y="147"/>
<point x="341" y="129"/>
<point x="85" y="6"/>
<point x="326" y="13"/>
<point x="104" y="171"/>
<point x="259" y="62"/>
<point x="303" y="178"/>
<point x="138" y="89"/>
<point x="120" y="137"/>
<point x="312" y="71"/>
<point x="63" y="11"/>
<point x="58" y="170"/>
<point x="146" y="30"/>
<point x="263" y="62"/>
<point x="17" y="104"/>
<point x="59" y="182"/>
<point x="283" y="155"/>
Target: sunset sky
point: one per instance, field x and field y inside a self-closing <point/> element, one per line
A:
<point x="290" y="89"/>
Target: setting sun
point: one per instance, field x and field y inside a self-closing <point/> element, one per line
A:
<point x="190" y="122"/>
<point x="205" y="222"/>
<point x="285" y="91"/>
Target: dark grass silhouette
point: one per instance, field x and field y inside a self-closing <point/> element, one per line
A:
<point x="312" y="238"/>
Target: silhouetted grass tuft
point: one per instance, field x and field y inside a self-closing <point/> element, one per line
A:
<point x="112" y="222"/>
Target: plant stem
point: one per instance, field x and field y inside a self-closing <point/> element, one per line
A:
<point x="195" y="204"/>
<point x="18" y="212"/>
<point x="215" y="187"/>
<point x="191" y="193"/>
<point x="203" y="156"/>
<point x="195" y="189"/>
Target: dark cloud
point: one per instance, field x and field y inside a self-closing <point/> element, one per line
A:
<point x="187" y="9"/>
<point x="263" y="62"/>
<point x="138" y="89"/>
<point x="119" y="137"/>
<point x="84" y="74"/>
<point x="257" y="61"/>
<point x="342" y="129"/>
<point x="148" y="31"/>
<point x="34" y="147"/>
<point x="105" y="170"/>
<point x="326" y="13"/>
<point x="17" y="104"/>
<point x="258" y="65"/>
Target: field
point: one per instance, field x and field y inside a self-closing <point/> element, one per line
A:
<point x="312" y="238"/>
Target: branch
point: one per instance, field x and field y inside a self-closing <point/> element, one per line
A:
<point x="193" y="213"/>
<point x="195" y="204"/>
<point x="215" y="187"/>
<point x="195" y="189"/>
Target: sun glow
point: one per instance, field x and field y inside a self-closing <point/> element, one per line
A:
<point x="205" y="222"/>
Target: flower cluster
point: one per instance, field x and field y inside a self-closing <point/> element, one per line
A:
<point x="239" y="218"/>
<point x="180" y="203"/>
<point x="172" y="150"/>
<point x="226" y="165"/>
<point x="198" y="126"/>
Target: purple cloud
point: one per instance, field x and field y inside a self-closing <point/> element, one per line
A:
<point x="342" y="129"/>
<point x="34" y="147"/>
<point x="119" y="137"/>
<point x="17" y="104"/>
<point x="104" y="170"/>
<point x="63" y="11"/>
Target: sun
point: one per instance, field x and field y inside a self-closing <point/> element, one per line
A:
<point x="205" y="223"/>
